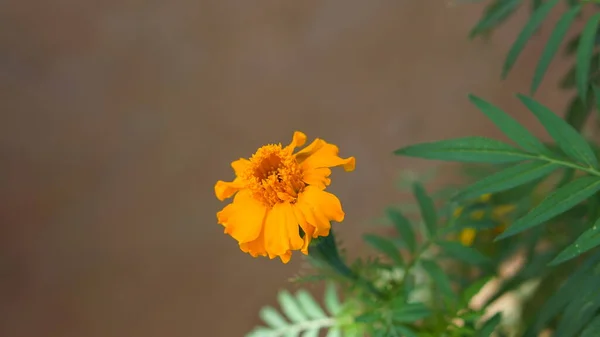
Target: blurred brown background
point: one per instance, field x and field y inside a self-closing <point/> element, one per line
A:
<point x="119" y="116"/>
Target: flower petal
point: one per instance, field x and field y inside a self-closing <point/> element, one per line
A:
<point x="324" y="202"/>
<point x="298" y="139"/>
<point x="255" y="247"/>
<point x="317" y="177"/>
<point x="306" y="227"/>
<point x="226" y="189"/>
<point x="243" y="218"/>
<point x="281" y="230"/>
<point x="319" y="208"/>
<point x="240" y="165"/>
<point x="321" y="154"/>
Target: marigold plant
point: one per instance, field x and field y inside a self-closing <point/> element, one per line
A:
<point x="512" y="252"/>
<point x="279" y="198"/>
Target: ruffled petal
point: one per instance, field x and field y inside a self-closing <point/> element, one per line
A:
<point x="281" y="231"/>
<point x="255" y="247"/>
<point x="325" y="203"/>
<point x="321" y="154"/>
<point x="317" y="177"/>
<point x="298" y="139"/>
<point x="319" y="208"/>
<point x="306" y="227"/>
<point x="243" y="219"/>
<point x="226" y="189"/>
<point x="240" y="166"/>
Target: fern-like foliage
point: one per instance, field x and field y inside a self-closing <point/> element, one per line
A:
<point x="301" y="315"/>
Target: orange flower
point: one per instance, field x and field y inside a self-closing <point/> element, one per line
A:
<point x="277" y="193"/>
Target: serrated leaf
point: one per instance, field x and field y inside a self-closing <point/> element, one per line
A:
<point x="495" y="14"/>
<point x="530" y="28"/>
<point x="584" y="54"/>
<point x="552" y="46"/>
<point x="331" y="299"/>
<point x="463" y="253"/>
<point x="309" y="305"/>
<point x="490" y="325"/>
<point x="272" y="317"/>
<point x="410" y="313"/>
<point x="314" y="332"/>
<point x="569" y="140"/>
<point x="509" y="126"/>
<point x="406" y="332"/>
<point x="368" y="317"/>
<point x="427" y="208"/>
<point x="586" y="241"/>
<point x="385" y="246"/>
<point x="559" y="201"/>
<point x="592" y="329"/>
<point x="440" y="278"/>
<point x="511" y="177"/>
<point x="403" y="227"/>
<point x="467" y="149"/>
<point x="334" y="332"/>
<point x="290" y="308"/>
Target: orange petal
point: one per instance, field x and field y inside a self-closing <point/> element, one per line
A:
<point x="324" y="202"/>
<point x="255" y="247"/>
<point x="317" y="177"/>
<point x="281" y="230"/>
<point x="243" y="218"/>
<point x="240" y="165"/>
<point x="306" y="227"/>
<point x="319" y="208"/>
<point x="298" y="139"/>
<point x="321" y="154"/>
<point x="225" y="189"/>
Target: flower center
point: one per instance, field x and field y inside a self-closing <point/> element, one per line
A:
<point x="274" y="175"/>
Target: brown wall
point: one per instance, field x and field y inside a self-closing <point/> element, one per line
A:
<point x="119" y="116"/>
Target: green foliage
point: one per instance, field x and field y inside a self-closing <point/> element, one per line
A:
<point x="526" y="198"/>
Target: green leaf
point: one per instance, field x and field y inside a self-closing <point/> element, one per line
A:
<point x="530" y="28"/>
<point x="403" y="227"/>
<point x="495" y="14"/>
<point x="569" y="140"/>
<point x="334" y="332"/>
<point x="463" y="253"/>
<point x="467" y="149"/>
<point x="332" y="302"/>
<point x="597" y="96"/>
<point x="586" y="241"/>
<point x="509" y="126"/>
<point x="490" y="325"/>
<point x="559" y="201"/>
<point x="512" y="177"/>
<point x="272" y="317"/>
<point x="290" y="308"/>
<point x="385" y="246"/>
<point x="410" y="313"/>
<point x="406" y="332"/>
<point x="577" y="113"/>
<point x="309" y="305"/>
<point x="439" y="277"/>
<point x="552" y="46"/>
<point x="314" y="332"/>
<point x="584" y="54"/>
<point x="428" y="211"/>
<point x="592" y="329"/>
<point x="580" y="311"/>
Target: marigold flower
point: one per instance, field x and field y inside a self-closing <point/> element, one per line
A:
<point x="279" y="199"/>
